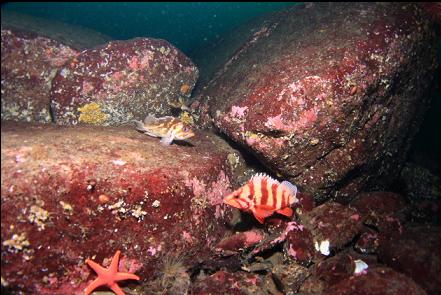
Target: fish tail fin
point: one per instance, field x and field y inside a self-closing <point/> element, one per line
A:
<point x="291" y="188"/>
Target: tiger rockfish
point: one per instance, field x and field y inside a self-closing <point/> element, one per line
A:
<point x="167" y="128"/>
<point x="263" y="196"/>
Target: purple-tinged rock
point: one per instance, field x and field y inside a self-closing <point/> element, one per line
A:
<point x="427" y="211"/>
<point x="122" y="80"/>
<point x="416" y="253"/>
<point x="374" y="207"/>
<point x="222" y="282"/>
<point x="328" y="96"/>
<point x="420" y="183"/>
<point x="299" y="245"/>
<point x="290" y="276"/>
<point x="239" y="241"/>
<point x="72" y="193"/>
<point x="332" y="225"/>
<point x="332" y="270"/>
<point x="376" y="281"/>
<point x="28" y="64"/>
<point x="367" y="243"/>
<point x="306" y="202"/>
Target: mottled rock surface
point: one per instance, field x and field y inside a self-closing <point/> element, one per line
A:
<point x="28" y="63"/>
<point x="416" y="253"/>
<point x="32" y="51"/>
<point x="71" y="193"/>
<point x="122" y="80"/>
<point x="332" y="222"/>
<point x="223" y="282"/>
<point x="378" y="280"/>
<point x="328" y="96"/>
<point x="376" y="207"/>
<point x="299" y="245"/>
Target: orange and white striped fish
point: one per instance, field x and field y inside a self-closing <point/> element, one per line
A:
<point x="262" y="196"/>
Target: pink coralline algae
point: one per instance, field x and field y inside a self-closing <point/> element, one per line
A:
<point x="238" y="112"/>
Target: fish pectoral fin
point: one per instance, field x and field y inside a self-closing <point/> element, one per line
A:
<point x="286" y="211"/>
<point x="138" y="125"/>
<point x="261" y="214"/>
<point x="149" y="119"/>
<point x="168" y="139"/>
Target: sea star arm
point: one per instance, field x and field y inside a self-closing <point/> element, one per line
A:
<point x="121" y="276"/>
<point x="109" y="276"/>
<point x="95" y="284"/>
<point x="115" y="261"/>
<point x="95" y="266"/>
<point x="115" y="288"/>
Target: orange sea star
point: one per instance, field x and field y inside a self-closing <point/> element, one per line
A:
<point x="108" y="276"/>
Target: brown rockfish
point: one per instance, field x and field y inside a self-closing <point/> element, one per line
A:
<point x="167" y="128"/>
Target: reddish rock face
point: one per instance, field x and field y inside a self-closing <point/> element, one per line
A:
<point x="223" y="282"/>
<point x="299" y="245"/>
<point x="328" y="96"/>
<point x="381" y="209"/>
<point x="29" y="62"/>
<point x="416" y="253"/>
<point x="120" y="81"/>
<point x="68" y="194"/>
<point x="239" y="241"/>
<point x="332" y="222"/>
<point x="378" y="280"/>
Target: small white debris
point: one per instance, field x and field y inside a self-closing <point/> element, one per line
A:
<point x="323" y="247"/>
<point x="156" y="204"/>
<point x="360" y="266"/>
<point x="119" y="162"/>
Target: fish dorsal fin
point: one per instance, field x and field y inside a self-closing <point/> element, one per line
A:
<point x="291" y="188"/>
<point x="149" y="119"/>
<point x="260" y="176"/>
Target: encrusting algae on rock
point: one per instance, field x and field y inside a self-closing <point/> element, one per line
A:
<point x="91" y="113"/>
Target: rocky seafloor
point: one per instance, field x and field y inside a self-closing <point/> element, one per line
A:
<point x="309" y="94"/>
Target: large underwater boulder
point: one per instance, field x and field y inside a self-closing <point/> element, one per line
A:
<point x="327" y="95"/>
<point x="122" y="80"/>
<point x="78" y="192"/>
<point x="29" y="62"/>
<point x="32" y="50"/>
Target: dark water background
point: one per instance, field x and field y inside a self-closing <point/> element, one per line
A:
<point x="187" y="25"/>
<point x="191" y="26"/>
